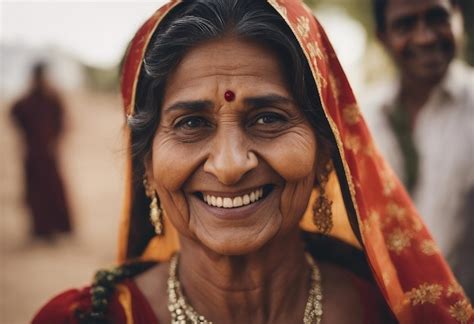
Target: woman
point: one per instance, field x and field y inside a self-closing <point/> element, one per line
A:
<point x="237" y="112"/>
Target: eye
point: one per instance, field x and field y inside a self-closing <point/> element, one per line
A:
<point x="269" y="118"/>
<point x="404" y="24"/>
<point x="437" y="17"/>
<point x="192" y="122"/>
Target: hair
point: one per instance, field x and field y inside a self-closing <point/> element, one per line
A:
<point x="379" y="8"/>
<point x="195" y="22"/>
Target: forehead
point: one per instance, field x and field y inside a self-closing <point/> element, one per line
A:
<point x="231" y="63"/>
<point x="398" y="8"/>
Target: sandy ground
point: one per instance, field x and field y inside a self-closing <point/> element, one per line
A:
<point x="31" y="272"/>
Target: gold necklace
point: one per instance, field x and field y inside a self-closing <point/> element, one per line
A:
<point x="183" y="313"/>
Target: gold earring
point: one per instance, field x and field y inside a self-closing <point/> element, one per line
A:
<point x="156" y="213"/>
<point x="322" y="212"/>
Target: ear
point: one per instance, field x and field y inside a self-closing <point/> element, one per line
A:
<point x="324" y="157"/>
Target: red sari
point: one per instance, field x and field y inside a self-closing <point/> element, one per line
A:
<point x="127" y="305"/>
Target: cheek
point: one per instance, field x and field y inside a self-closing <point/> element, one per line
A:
<point x="173" y="163"/>
<point x="396" y="44"/>
<point x="294" y="158"/>
<point x="447" y="36"/>
<point x="293" y="155"/>
<point x="399" y="46"/>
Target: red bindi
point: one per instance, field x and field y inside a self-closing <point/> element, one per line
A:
<point x="229" y="95"/>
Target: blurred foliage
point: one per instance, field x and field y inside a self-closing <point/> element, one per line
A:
<point x="361" y="10"/>
<point x="467" y="7"/>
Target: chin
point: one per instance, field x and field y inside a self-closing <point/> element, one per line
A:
<point x="432" y="74"/>
<point x="237" y="243"/>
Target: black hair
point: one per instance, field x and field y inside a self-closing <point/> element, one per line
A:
<point x="195" y="22"/>
<point x="379" y="8"/>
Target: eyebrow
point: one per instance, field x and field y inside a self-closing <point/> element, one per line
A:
<point x="267" y="100"/>
<point x="252" y="102"/>
<point x="196" y="105"/>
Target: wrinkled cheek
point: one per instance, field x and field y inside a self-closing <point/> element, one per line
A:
<point x="295" y="198"/>
<point x="170" y="167"/>
<point x="296" y="164"/>
<point x="294" y="161"/>
<point x="170" y="171"/>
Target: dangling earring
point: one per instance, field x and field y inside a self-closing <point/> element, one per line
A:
<point x="322" y="213"/>
<point x="156" y="213"/>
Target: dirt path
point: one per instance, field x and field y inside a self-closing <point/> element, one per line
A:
<point x="31" y="272"/>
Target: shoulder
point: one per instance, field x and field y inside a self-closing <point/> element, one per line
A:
<point x="459" y="80"/>
<point x="113" y="297"/>
<point x="153" y="286"/>
<point x="376" y="100"/>
<point x="377" y="95"/>
<point x="63" y="307"/>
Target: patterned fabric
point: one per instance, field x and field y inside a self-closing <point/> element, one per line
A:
<point x="126" y="306"/>
<point x="406" y="264"/>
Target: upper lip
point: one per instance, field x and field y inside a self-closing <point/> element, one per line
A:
<point x="229" y="193"/>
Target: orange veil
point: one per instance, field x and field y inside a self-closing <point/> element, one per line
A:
<point x="372" y="210"/>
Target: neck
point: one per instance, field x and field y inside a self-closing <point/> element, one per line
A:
<point x="270" y="285"/>
<point x="414" y="94"/>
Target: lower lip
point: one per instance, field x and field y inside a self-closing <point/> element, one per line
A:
<point x="236" y="213"/>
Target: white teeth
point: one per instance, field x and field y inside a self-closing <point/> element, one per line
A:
<point x="219" y="202"/>
<point x="227" y="202"/>
<point x="252" y="197"/>
<point x="238" y="201"/>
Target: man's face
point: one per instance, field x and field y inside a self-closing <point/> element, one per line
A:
<point x="419" y="35"/>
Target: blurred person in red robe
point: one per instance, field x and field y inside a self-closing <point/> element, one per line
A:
<point x="39" y="116"/>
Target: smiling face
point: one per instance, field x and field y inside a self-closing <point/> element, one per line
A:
<point x="419" y="35"/>
<point x="232" y="173"/>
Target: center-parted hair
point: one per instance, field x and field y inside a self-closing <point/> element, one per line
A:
<point x="196" y="22"/>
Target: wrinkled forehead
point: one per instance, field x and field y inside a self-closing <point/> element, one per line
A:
<point x="226" y="64"/>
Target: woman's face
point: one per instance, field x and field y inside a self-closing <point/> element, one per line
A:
<point x="232" y="173"/>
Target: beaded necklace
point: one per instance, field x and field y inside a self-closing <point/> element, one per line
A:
<point x="183" y="313"/>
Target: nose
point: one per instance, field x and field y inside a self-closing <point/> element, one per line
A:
<point x="424" y="34"/>
<point x="230" y="158"/>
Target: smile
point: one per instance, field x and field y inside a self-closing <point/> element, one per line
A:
<point x="236" y="201"/>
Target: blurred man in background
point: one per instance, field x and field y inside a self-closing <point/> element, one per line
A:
<point x="424" y="122"/>
<point x="39" y="116"/>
